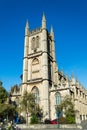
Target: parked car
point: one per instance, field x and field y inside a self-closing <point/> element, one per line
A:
<point x="47" y="121"/>
<point x="55" y="121"/>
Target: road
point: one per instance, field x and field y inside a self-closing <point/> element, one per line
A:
<point x="84" y="125"/>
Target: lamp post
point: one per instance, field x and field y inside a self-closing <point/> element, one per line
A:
<point x="58" y="99"/>
<point x="57" y="111"/>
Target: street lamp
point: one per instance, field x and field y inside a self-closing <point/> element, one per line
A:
<point x="57" y="113"/>
<point x="58" y="100"/>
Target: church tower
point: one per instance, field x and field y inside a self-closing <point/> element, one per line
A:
<point x="39" y="64"/>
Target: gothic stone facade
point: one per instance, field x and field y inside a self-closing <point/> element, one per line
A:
<point x="42" y="77"/>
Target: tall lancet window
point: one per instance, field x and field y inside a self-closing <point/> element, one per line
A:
<point x="58" y="101"/>
<point x="35" y="43"/>
<point x="35" y="68"/>
<point x="35" y="91"/>
<point x="58" y="98"/>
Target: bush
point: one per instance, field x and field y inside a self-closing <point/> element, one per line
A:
<point x="62" y="120"/>
<point x="67" y="120"/>
<point x="70" y="119"/>
<point x="34" y="120"/>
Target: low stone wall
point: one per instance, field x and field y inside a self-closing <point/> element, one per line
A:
<point x="50" y="126"/>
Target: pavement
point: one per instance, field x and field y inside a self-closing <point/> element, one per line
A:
<point x="25" y="127"/>
<point x="53" y="129"/>
<point x="83" y="125"/>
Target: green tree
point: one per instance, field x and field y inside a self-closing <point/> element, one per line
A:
<point x="67" y="107"/>
<point x="29" y="105"/>
<point x="3" y="94"/>
<point x="6" y="109"/>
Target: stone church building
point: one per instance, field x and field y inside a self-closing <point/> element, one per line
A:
<point x="42" y="76"/>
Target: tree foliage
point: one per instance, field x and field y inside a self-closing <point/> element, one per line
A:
<point x="6" y="109"/>
<point x="3" y="94"/>
<point x="67" y="107"/>
<point x="34" y="119"/>
<point x="29" y="105"/>
<point x="28" y="102"/>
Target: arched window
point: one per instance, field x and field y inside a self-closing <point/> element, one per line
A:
<point x="35" y="91"/>
<point x="58" y="98"/>
<point x="35" y="68"/>
<point x="35" y="43"/>
<point x="35" y="61"/>
<point x="58" y="101"/>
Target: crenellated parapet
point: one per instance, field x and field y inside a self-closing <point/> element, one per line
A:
<point x="36" y="31"/>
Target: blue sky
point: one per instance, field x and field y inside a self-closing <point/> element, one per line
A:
<point x="69" y="20"/>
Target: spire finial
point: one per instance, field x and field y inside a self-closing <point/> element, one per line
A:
<point x="51" y="31"/>
<point x="76" y="79"/>
<point x="43" y="18"/>
<point x="27" y="28"/>
<point x="73" y="78"/>
<point x="27" y="25"/>
<point x="43" y="21"/>
<point x="72" y="74"/>
<point x="77" y="82"/>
